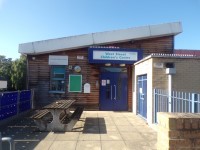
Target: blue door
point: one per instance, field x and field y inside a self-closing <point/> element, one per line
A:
<point x="142" y="95"/>
<point x="113" y="89"/>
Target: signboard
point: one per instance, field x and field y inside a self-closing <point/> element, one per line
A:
<point x="158" y="65"/>
<point x="3" y="84"/>
<point x="58" y="60"/>
<point x="86" y="88"/>
<point x="80" y="57"/>
<point x="103" y="82"/>
<point x="114" y="55"/>
<point x="75" y="83"/>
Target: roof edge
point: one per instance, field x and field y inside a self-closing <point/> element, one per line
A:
<point x="160" y="55"/>
<point x="106" y="37"/>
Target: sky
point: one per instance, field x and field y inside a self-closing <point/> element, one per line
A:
<point x="24" y="21"/>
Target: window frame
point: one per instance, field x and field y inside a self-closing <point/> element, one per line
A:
<point x="52" y="78"/>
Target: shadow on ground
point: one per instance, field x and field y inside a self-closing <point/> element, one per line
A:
<point x="91" y="125"/>
<point x="24" y="132"/>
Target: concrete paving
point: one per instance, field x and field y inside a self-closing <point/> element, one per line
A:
<point x="96" y="130"/>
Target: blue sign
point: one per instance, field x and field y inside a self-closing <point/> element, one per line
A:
<point x="114" y="55"/>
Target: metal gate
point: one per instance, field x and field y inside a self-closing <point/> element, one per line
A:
<point x="142" y="95"/>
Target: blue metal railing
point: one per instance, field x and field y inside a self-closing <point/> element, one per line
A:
<point x="13" y="103"/>
<point x="181" y="102"/>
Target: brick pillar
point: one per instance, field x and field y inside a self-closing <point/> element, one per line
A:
<point x="178" y="131"/>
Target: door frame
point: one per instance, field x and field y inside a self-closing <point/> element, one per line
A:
<point x="116" y="77"/>
<point x="142" y="95"/>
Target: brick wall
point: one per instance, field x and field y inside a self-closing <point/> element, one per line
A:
<point x="178" y="131"/>
<point x="186" y="79"/>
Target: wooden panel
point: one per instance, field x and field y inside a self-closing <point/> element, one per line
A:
<point x="39" y="77"/>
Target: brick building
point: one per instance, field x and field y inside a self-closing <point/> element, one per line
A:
<point x="95" y="69"/>
<point x="153" y="72"/>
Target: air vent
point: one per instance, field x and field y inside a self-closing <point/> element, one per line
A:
<point x="169" y="65"/>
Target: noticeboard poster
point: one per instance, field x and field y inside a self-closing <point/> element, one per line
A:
<point x="75" y="83"/>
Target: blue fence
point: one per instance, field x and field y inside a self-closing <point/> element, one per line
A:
<point x="178" y="102"/>
<point x="13" y="103"/>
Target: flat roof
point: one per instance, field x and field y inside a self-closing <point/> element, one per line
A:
<point x="160" y="55"/>
<point x="187" y="52"/>
<point x="100" y="38"/>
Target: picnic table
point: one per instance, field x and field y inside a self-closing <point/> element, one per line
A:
<point x="57" y="116"/>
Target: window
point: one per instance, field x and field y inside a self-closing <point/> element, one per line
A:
<point x="58" y="79"/>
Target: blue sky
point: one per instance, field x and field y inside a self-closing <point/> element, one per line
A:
<point x="24" y="21"/>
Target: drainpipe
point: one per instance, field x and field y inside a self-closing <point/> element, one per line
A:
<point x="170" y="72"/>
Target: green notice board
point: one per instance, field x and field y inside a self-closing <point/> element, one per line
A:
<point x="75" y="83"/>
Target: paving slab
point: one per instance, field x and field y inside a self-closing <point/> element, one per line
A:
<point x="113" y="145"/>
<point x="88" y="145"/>
<point x="111" y="137"/>
<point x="96" y="130"/>
<point x="63" y="145"/>
<point x="89" y="137"/>
<point x="67" y="136"/>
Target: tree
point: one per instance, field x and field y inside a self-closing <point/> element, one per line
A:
<point x="5" y="68"/>
<point x="18" y="73"/>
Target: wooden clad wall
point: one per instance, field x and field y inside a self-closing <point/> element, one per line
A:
<point x="154" y="45"/>
<point x="39" y="71"/>
<point x="39" y="78"/>
<point x="90" y="74"/>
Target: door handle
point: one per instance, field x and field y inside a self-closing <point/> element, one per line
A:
<point x="142" y="96"/>
<point x="115" y="92"/>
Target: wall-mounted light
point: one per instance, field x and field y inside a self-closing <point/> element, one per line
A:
<point x="122" y="65"/>
<point x="33" y="58"/>
<point x="108" y="64"/>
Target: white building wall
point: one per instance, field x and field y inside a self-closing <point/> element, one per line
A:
<point x="143" y="68"/>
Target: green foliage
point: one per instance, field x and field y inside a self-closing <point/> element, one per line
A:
<point x="5" y="68"/>
<point x="14" y="72"/>
<point x="18" y="73"/>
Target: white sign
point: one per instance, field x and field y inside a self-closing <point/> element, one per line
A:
<point x="3" y="84"/>
<point x="58" y="60"/>
<point x="108" y="81"/>
<point x="115" y="55"/>
<point x="103" y="82"/>
<point x="80" y="57"/>
<point x="141" y="91"/>
<point x="86" y="88"/>
<point x="158" y="65"/>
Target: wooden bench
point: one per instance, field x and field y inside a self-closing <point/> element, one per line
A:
<point x="42" y="118"/>
<point x="64" y="117"/>
<point x="77" y="113"/>
<point x="69" y="122"/>
<point x="74" y="116"/>
<point x="40" y="114"/>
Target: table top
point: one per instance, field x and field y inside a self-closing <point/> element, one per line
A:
<point x="60" y="104"/>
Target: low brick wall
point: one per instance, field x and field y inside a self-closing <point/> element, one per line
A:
<point x="178" y="131"/>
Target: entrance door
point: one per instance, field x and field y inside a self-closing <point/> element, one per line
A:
<point x="113" y="89"/>
<point x="142" y="95"/>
